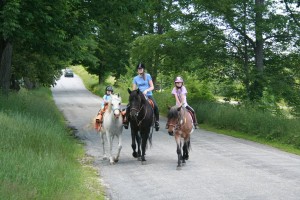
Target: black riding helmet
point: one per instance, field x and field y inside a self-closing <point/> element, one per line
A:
<point x="140" y="65"/>
<point x="109" y="88"/>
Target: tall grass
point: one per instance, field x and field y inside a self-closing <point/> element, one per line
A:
<point x="251" y="121"/>
<point x="39" y="157"/>
<point x="92" y="84"/>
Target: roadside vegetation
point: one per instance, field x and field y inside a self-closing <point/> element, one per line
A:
<point x="39" y="156"/>
<point x="242" y="121"/>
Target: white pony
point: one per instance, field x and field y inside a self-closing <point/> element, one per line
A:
<point x="112" y="126"/>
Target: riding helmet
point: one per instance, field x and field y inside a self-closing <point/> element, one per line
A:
<point x="178" y="79"/>
<point x="140" y="65"/>
<point x="109" y="88"/>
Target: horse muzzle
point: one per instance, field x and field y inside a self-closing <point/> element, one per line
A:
<point x="117" y="113"/>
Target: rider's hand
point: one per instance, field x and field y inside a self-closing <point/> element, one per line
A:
<point x="145" y="92"/>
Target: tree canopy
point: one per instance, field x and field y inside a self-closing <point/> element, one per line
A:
<point x="245" y="49"/>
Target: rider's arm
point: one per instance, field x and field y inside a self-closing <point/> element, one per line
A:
<point x="150" y="88"/>
<point x="177" y="100"/>
<point x="134" y="86"/>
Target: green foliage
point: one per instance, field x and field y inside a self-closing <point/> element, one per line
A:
<point x="249" y="120"/>
<point x="39" y="158"/>
<point x="9" y="15"/>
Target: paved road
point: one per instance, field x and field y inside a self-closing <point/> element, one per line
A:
<point x="220" y="167"/>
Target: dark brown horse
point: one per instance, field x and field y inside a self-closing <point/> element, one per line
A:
<point x="141" y="118"/>
<point x="181" y="126"/>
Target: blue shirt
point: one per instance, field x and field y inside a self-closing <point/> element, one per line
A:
<point x="106" y="99"/>
<point x="143" y="84"/>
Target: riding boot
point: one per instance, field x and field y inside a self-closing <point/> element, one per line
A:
<point x="125" y="122"/>
<point x="126" y="118"/>
<point x="195" y="121"/>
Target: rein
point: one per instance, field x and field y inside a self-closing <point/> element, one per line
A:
<point x="139" y="122"/>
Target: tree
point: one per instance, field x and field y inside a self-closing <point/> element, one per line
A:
<point x="43" y="42"/>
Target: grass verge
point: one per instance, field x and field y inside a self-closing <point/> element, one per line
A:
<point x="39" y="157"/>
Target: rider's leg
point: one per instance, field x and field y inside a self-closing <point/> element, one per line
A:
<point x="156" y="113"/>
<point x="126" y="118"/>
<point x="193" y="116"/>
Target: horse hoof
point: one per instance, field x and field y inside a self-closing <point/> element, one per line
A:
<point x="139" y="159"/>
<point x="105" y="158"/>
<point x="144" y="162"/>
<point x="134" y="154"/>
<point x="178" y="168"/>
<point x="183" y="164"/>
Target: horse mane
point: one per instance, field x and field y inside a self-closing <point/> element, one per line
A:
<point x="137" y="92"/>
<point x="113" y="96"/>
<point x="173" y="113"/>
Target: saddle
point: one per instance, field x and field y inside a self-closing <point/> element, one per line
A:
<point x="191" y="114"/>
<point x="151" y="103"/>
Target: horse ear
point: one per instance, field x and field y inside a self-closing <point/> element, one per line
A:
<point x="138" y="90"/>
<point x="129" y="91"/>
<point x="169" y="107"/>
<point x="118" y="95"/>
<point x="178" y="109"/>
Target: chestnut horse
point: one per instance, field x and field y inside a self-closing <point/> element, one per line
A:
<point x="141" y="118"/>
<point x="180" y="124"/>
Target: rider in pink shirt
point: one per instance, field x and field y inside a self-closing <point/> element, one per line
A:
<point x="179" y="92"/>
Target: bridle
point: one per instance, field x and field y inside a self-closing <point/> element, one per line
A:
<point x="138" y="110"/>
<point x="114" y="108"/>
<point x="180" y="121"/>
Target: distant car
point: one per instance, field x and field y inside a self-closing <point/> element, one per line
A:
<point x="69" y="73"/>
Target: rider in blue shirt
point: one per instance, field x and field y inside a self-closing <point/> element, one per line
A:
<point x="144" y="82"/>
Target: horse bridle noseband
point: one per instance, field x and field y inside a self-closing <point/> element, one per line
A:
<point x="179" y="123"/>
<point x="138" y="112"/>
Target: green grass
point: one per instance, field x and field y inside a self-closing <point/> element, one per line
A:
<point x="91" y="83"/>
<point x="39" y="157"/>
<point x="254" y="138"/>
<point x="266" y="128"/>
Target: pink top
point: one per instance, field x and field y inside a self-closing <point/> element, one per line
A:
<point x="179" y="92"/>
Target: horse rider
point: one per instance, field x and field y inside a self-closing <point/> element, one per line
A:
<point x="143" y="82"/>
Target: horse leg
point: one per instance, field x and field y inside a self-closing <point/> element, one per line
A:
<point x="103" y="145"/>
<point x="179" y="155"/>
<point x="119" y="148"/>
<point x="144" y="144"/>
<point x="184" y="149"/>
<point x="133" y="144"/>
<point x="110" y="139"/>
<point x="138" y="140"/>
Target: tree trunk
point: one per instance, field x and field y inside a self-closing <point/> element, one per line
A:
<point x="256" y="89"/>
<point x="246" y="56"/>
<point x="259" y="36"/>
<point x="5" y="65"/>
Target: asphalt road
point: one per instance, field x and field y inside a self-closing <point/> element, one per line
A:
<point x="220" y="167"/>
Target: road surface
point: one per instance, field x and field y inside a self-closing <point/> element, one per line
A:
<point x="220" y="167"/>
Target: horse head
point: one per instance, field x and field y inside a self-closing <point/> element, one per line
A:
<point x="174" y="119"/>
<point x="115" y="105"/>
<point x="136" y="101"/>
